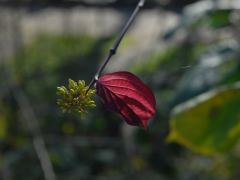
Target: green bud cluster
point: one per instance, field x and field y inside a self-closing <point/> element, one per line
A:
<point x="76" y="98"/>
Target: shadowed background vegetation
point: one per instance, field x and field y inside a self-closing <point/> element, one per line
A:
<point x="192" y="67"/>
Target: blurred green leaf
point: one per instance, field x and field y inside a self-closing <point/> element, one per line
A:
<point x="172" y="58"/>
<point x="209" y="123"/>
<point x="219" y="18"/>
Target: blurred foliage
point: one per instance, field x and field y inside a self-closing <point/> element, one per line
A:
<point x="209" y="123"/>
<point x="184" y="73"/>
<point x="39" y="68"/>
<point x="170" y="59"/>
<point x="67" y="3"/>
<point x="215" y="19"/>
<point x="219" y="19"/>
<point x="92" y="146"/>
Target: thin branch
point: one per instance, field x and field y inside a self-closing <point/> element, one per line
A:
<point x="115" y="46"/>
<point x="33" y="126"/>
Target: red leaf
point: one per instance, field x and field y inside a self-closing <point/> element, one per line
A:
<point x="127" y="95"/>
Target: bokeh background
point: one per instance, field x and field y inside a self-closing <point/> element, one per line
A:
<point x="187" y="51"/>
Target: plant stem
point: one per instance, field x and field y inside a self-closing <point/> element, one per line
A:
<point x="113" y="50"/>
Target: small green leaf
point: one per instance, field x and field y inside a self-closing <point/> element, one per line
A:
<point x="72" y="84"/>
<point x="209" y="123"/>
<point x="76" y="98"/>
<point x="81" y="84"/>
<point x="61" y="91"/>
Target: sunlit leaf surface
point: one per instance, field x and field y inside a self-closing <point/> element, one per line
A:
<point x="209" y="123"/>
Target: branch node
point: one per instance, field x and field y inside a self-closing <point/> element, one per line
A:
<point x="119" y="38"/>
<point x="112" y="51"/>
